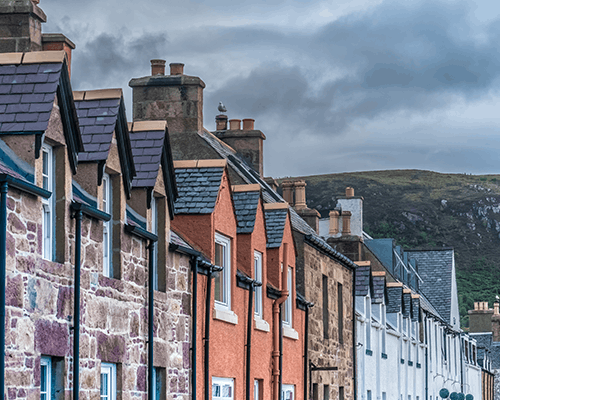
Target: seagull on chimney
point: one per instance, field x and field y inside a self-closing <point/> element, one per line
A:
<point x="222" y="108"/>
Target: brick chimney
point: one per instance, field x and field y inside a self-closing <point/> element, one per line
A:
<point x="58" y="41"/>
<point x="20" y="26"/>
<point x="176" y="98"/>
<point x="247" y="141"/>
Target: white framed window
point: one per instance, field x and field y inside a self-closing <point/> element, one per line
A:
<point x="383" y="333"/>
<point x="368" y="324"/>
<point x="257" y="389"/>
<point x="288" y="392"/>
<point x="222" y="388"/>
<point x="223" y="278"/>
<point x="258" y="307"/>
<point x="154" y="229"/>
<point x="108" y="381"/>
<point x="45" y="378"/>
<point x="106" y="233"/>
<point x="48" y="204"/>
<point x="159" y="380"/>
<point x="287" y="305"/>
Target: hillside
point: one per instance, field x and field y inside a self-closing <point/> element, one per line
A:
<point x="423" y="209"/>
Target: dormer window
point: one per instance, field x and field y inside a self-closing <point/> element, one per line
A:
<point x="223" y="278"/>
<point x="106" y="230"/>
<point x="48" y="224"/>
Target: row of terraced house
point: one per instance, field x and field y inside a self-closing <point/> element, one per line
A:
<point x="151" y="259"/>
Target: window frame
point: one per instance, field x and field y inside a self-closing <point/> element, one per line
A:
<point x="111" y="371"/>
<point x="258" y="268"/>
<point x="159" y="380"/>
<point x="225" y="273"/>
<point x="287" y="304"/>
<point x="107" y="203"/>
<point x="286" y="387"/>
<point x="220" y="381"/>
<point x="46" y="362"/>
<point x="48" y="205"/>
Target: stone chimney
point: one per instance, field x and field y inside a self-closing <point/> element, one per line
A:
<point x="247" y="142"/>
<point x="176" y="98"/>
<point x="480" y="318"/>
<point x="496" y="322"/>
<point x="20" y="26"/>
<point x="58" y="41"/>
<point x="334" y="225"/>
<point x="272" y="183"/>
<point x="287" y="188"/>
<point x="353" y="204"/>
<point x="299" y="195"/>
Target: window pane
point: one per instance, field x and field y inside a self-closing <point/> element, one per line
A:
<point x="219" y="252"/>
<point x="44" y="378"/>
<point x="216" y="392"/>
<point x="227" y="392"/>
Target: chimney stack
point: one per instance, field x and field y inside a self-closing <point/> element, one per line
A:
<point x="248" y="124"/>
<point x="346" y="215"/>
<point x="300" y="195"/>
<point x="234" y="124"/>
<point x="176" y="68"/>
<point x="58" y="41"/>
<point x="349" y="191"/>
<point x="20" y="26"/>
<point x="287" y="187"/>
<point x="334" y="226"/>
<point x="221" y="122"/>
<point x="158" y="67"/>
<point x="496" y="322"/>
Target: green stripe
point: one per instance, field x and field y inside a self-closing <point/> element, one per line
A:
<point x="571" y="327"/>
<point x="549" y="164"/>
<point x="509" y="389"/>
<point x="569" y="30"/>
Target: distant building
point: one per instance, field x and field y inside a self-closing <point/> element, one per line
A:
<point x="484" y="325"/>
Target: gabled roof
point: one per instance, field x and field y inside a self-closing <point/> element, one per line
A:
<point x="435" y="268"/>
<point x="198" y="185"/>
<point x="363" y="279"/>
<point x="100" y="113"/>
<point x="29" y="84"/>
<point x="275" y="217"/>
<point x="151" y="149"/>
<point x="245" y="201"/>
<point x="379" y="290"/>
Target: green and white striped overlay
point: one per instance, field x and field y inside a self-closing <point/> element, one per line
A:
<point x="550" y="169"/>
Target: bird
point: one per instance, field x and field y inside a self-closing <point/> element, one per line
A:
<point x="222" y="108"/>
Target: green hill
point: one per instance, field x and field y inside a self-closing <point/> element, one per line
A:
<point x="423" y="209"/>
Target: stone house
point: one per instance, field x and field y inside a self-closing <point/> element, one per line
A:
<point x="91" y="264"/>
<point x="178" y="98"/>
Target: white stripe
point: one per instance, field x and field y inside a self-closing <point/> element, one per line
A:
<point x="545" y="88"/>
<point x="535" y="361"/>
<point x="549" y="236"/>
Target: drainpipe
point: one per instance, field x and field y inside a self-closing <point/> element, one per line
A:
<point x="3" y="194"/>
<point x="194" y="320"/>
<point x="278" y="330"/>
<point x="151" y="319"/>
<point x="252" y="284"/>
<point x="354" y="332"/>
<point x="308" y="307"/>
<point x="426" y="357"/>
<point x="211" y="268"/>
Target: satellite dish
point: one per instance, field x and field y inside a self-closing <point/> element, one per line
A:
<point x="222" y="108"/>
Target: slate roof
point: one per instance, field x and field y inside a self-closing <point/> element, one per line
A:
<point x="485" y="341"/>
<point x="394" y="304"/>
<point x="97" y="120"/>
<point x="275" y="223"/>
<point x="27" y="93"/>
<point x="435" y="268"/>
<point x="198" y="189"/>
<point x="384" y="250"/>
<point x="363" y="280"/>
<point x="378" y="289"/>
<point x="245" y="204"/>
<point x="147" y="148"/>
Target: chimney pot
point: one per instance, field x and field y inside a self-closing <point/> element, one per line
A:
<point x="334" y="226"/>
<point x="287" y="187"/>
<point x="158" y="67"/>
<point x="346" y="218"/>
<point x="248" y="124"/>
<point x="349" y="191"/>
<point x="496" y="308"/>
<point x="300" y="195"/>
<point x="176" y="68"/>
<point x="234" y="124"/>
<point x="221" y="122"/>
<point x="485" y="305"/>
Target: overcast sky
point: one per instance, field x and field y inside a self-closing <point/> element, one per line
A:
<point x="336" y="86"/>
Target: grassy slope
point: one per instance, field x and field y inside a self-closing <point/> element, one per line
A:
<point x="408" y="206"/>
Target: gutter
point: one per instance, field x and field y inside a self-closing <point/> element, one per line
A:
<point x="79" y="209"/>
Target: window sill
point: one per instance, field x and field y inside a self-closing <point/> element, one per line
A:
<point x="410" y="363"/>
<point x="418" y="365"/>
<point x="225" y="316"/>
<point x="369" y="352"/>
<point x="261" y="324"/>
<point x="402" y="361"/>
<point x="290" y="333"/>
